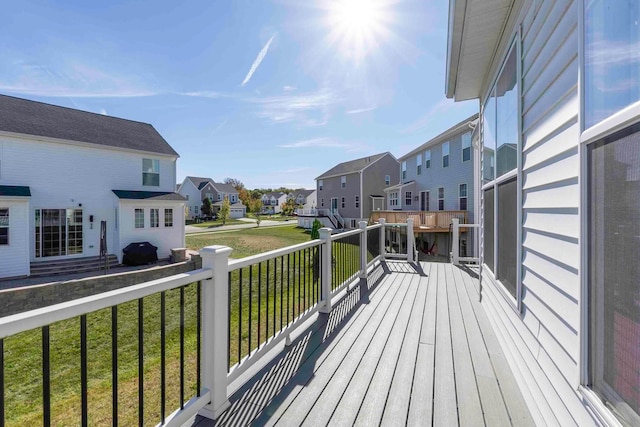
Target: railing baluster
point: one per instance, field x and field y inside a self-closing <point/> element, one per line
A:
<point x="281" y="288"/>
<point x="293" y="317"/>
<point x="46" y="378"/>
<point x="298" y="267"/>
<point x="198" y="336"/>
<point x="288" y="286"/>
<point x="83" y="369"/>
<point x="240" y="316"/>
<point x="250" y="308"/>
<point x="229" y="323"/>
<point x="259" y="301"/>
<point x="114" y="365"/>
<point x="266" y="332"/>
<point x="140" y="362"/>
<point x="163" y="369"/>
<point x="181" y="347"/>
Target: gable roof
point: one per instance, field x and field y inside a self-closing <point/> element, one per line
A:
<point x="305" y="193"/>
<point x="274" y="194"/>
<point x="456" y="129"/>
<point x="148" y="195"/>
<point x="27" y="117"/>
<point x="352" y="166"/>
<point x="199" y="182"/>
<point x="224" y="188"/>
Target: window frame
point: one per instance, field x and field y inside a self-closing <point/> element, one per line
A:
<point x="320" y="184"/>
<point x="466" y="145"/>
<point x="154" y="171"/>
<point x="441" y="197"/>
<point x="357" y="201"/>
<point x="136" y="218"/>
<point x="151" y="218"/>
<point x="387" y="180"/>
<point x="465" y="197"/>
<point x="168" y="219"/>
<point x="404" y="170"/>
<point x="446" y="147"/>
<point x="418" y="164"/>
<point x="408" y="198"/>
<point x="514" y="302"/>
<point x="427" y="159"/>
<point x="342" y="202"/>
<point x="393" y="198"/>
<point x="343" y="181"/>
<point x="7" y="226"/>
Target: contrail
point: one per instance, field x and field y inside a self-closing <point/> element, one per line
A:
<point x="258" y="60"/>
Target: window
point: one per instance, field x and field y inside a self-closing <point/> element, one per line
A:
<point x="168" y="217"/>
<point x="445" y="155"/>
<point x="424" y="201"/>
<point x="611" y="67"/>
<point x="407" y="198"/>
<point x="151" y="172"/>
<point x="427" y="159"/>
<point x="342" y="202"/>
<point x="343" y="181"/>
<point x="187" y="197"/>
<point x="387" y="180"/>
<point x="154" y="217"/>
<point x="322" y="202"/>
<point x="393" y="198"/>
<point x="419" y="164"/>
<point x="320" y="184"/>
<point x="462" y="194"/>
<point x="466" y="147"/>
<point x="209" y="196"/>
<point x="4" y="226"/>
<point x="139" y="218"/>
<point x="196" y="210"/>
<point x="404" y="170"/>
<point x="499" y="164"/>
<point x="440" y="198"/>
<point x="614" y="274"/>
<point x="233" y="198"/>
<point x="357" y="201"/>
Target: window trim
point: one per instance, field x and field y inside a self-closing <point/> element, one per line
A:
<point x="463" y="147"/>
<point x="157" y="217"/>
<point x="135" y="219"/>
<point x="448" y="155"/>
<point x="153" y="162"/>
<point x="320" y="184"/>
<point x="465" y="197"/>
<point x="403" y="169"/>
<point x="8" y="227"/>
<point x="515" y="303"/>
<point x="342" y="202"/>
<point x="387" y="180"/>
<point x="441" y="198"/>
<point x="164" y="219"/>
<point x="343" y="181"/>
<point x="408" y="198"/>
<point x="419" y="164"/>
<point x="427" y="159"/>
<point x="357" y="201"/>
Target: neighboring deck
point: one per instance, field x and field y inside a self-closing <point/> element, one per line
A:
<point x="415" y="348"/>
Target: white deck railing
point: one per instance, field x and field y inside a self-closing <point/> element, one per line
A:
<point x="214" y="291"/>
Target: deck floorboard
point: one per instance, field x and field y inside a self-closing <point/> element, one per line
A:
<point x="416" y="348"/>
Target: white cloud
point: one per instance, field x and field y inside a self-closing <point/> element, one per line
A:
<point x="432" y="114"/>
<point x="103" y="112"/>
<point x="312" y="109"/>
<point x="361" y="110"/>
<point x="203" y="94"/>
<point x="288" y="88"/>
<point x="257" y="61"/>
<point x="324" y="142"/>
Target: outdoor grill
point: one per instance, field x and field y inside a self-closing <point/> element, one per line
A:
<point x="139" y="253"/>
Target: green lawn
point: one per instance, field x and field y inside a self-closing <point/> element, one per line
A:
<point x="291" y="288"/>
<point x="279" y="217"/>
<point x="218" y="223"/>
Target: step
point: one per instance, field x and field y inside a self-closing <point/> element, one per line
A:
<point x="70" y="266"/>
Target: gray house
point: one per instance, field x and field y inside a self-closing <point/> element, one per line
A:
<point x="558" y="90"/>
<point x="196" y="189"/>
<point x="352" y="190"/>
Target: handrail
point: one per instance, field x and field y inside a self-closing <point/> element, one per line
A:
<point x="235" y="264"/>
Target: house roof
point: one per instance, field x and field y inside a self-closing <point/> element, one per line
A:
<point x="399" y="186"/>
<point x="224" y="188"/>
<point x="27" y="117"/>
<point x="304" y="193"/>
<point x="475" y="29"/>
<point x="199" y="182"/>
<point x="275" y="194"/>
<point x="352" y="166"/>
<point x="453" y="130"/>
<point x="15" y="191"/>
<point x="148" y="195"/>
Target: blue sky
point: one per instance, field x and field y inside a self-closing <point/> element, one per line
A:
<point x="271" y="92"/>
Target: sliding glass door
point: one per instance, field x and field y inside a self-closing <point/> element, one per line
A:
<point x="58" y="232"/>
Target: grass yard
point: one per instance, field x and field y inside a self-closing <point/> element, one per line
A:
<point x="218" y="223"/>
<point x="290" y="287"/>
<point x="246" y="242"/>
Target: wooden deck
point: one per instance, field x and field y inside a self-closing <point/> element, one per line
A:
<point x="412" y="347"/>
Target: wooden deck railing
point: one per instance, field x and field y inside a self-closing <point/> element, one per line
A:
<point x="423" y="221"/>
<point x="240" y="309"/>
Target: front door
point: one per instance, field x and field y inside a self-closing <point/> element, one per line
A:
<point x="58" y="232"/>
<point x="334" y="204"/>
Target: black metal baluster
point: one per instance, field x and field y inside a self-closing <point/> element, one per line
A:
<point x="305" y="255"/>
<point x="240" y="317"/>
<point x="294" y="288"/>
<point x="229" y="323"/>
<point x="46" y="378"/>
<point x="275" y="293"/>
<point x="140" y="362"/>
<point x="198" y="327"/>
<point x="250" y="307"/>
<point x="259" y="300"/>
<point x="182" y="347"/>
<point x="163" y="369"/>
<point x="281" y="288"/>
<point x="288" y="286"/>
<point x="83" y="369"/>
<point x="114" y="365"/>
<point x="266" y="332"/>
<point x="298" y="267"/>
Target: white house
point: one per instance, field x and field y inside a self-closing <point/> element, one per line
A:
<point x="306" y="199"/>
<point x="559" y="93"/>
<point x="64" y="171"/>
<point x="271" y="202"/>
<point x="196" y="189"/>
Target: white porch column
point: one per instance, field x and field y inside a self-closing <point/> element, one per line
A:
<point x="363" y="249"/>
<point x="215" y="326"/>
<point x="411" y="241"/>
<point x="325" y="272"/>
<point x="455" y="244"/>
<point x="382" y="237"/>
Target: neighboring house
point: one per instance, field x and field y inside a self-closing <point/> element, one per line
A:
<point x="439" y="176"/>
<point x="306" y="199"/>
<point x="355" y="188"/>
<point x="558" y="91"/>
<point x="271" y="202"/>
<point x="197" y="189"/>
<point x="64" y="171"/>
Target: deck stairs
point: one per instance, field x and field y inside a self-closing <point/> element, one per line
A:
<point x="70" y="266"/>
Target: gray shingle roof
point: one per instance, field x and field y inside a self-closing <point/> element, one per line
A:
<point x="15" y="191"/>
<point x="148" y="195"/>
<point x="352" y="166"/>
<point x="27" y="117"/>
<point x="224" y="188"/>
<point x="305" y="193"/>
<point x="199" y="182"/>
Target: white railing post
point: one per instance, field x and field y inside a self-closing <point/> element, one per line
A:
<point x="410" y="240"/>
<point x="363" y="249"/>
<point x="325" y="272"/>
<point x="456" y="237"/>
<point x="382" y="237"/>
<point x="215" y="327"/>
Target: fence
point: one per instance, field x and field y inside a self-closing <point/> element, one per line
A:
<point x="204" y="327"/>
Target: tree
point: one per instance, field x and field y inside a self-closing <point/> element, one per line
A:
<point x="288" y="207"/>
<point x="315" y="227"/>
<point x="256" y="209"/>
<point x="207" y="208"/>
<point x="224" y="211"/>
<point x="245" y="197"/>
<point x="235" y="183"/>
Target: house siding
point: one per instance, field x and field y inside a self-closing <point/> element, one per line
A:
<point x="64" y="176"/>
<point x="542" y="343"/>
<point x="373" y="181"/>
<point x="15" y="255"/>
<point x="333" y="188"/>
<point x="189" y="191"/>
